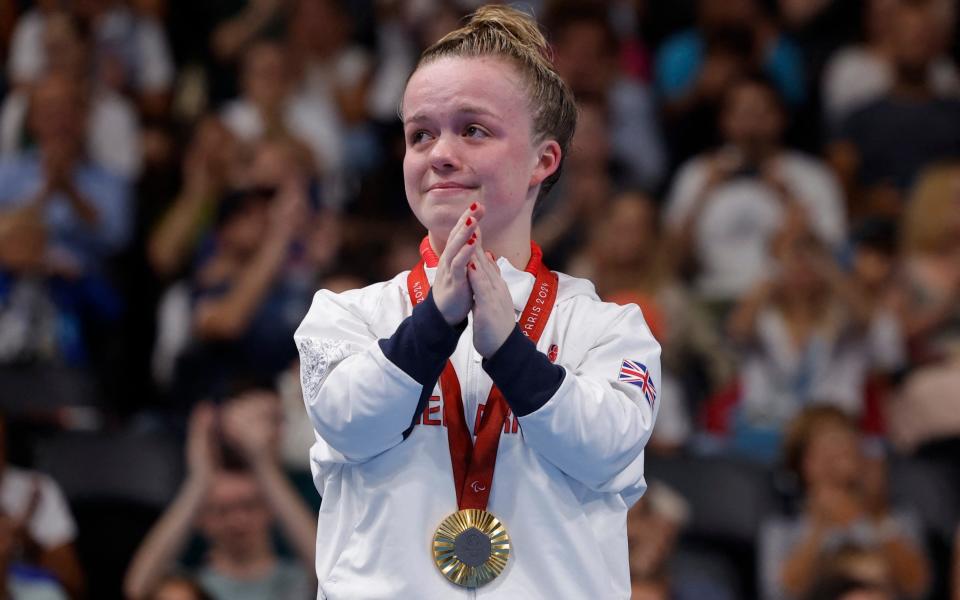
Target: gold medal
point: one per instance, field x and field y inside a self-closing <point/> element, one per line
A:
<point x="471" y="547"/>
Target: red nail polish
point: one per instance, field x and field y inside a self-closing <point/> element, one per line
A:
<point x="469" y="221"/>
<point x="474" y="236"/>
<point x="473" y="266"/>
<point x="471" y="241"/>
<point x="473" y="206"/>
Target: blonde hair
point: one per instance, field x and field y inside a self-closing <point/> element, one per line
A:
<point x="930" y="218"/>
<point x="507" y="33"/>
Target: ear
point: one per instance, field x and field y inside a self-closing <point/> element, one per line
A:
<point x="548" y="161"/>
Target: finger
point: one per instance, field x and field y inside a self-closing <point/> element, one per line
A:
<point x="493" y="261"/>
<point x="480" y="275"/>
<point x="463" y="230"/>
<point x="464" y="256"/>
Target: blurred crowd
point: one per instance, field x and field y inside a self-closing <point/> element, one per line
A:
<point x="775" y="182"/>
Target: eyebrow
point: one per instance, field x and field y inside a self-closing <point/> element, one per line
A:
<point x="469" y="109"/>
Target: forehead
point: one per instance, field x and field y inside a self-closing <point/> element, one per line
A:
<point x="453" y="84"/>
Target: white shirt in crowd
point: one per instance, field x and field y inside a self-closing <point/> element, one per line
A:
<point x="51" y="525"/>
<point x="856" y="75"/>
<point x="138" y="42"/>
<point x="742" y="214"/>
<point x="113" y="131"/>
<point x="309" y="119"/>
<point x="779" y="378"/>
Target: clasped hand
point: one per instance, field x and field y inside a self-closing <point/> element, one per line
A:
<point x="468" y="280"/>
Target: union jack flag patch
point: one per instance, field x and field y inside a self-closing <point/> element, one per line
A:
<point x="637" y="374"/>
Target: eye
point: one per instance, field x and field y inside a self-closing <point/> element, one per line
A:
<point x="475" y="131"/>
<point x="418" y="136"/>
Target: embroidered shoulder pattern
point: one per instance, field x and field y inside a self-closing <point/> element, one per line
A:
<point x="316" y="358"/>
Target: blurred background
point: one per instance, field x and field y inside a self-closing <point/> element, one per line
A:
<point x="775" y="182"/>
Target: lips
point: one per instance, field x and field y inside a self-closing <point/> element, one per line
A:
<point x="449" y="185"/>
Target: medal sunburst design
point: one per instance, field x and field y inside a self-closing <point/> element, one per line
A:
<point x="444" y="553"/>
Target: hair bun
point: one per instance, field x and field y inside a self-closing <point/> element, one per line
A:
<point x="520" y="27"/>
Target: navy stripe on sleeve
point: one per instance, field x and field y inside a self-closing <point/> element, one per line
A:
<point x="421" y="346"/>
<point x="525" y="375"/>
<point x="422" y="343"/>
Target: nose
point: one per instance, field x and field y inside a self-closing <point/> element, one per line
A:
<point x="443" y="154"/>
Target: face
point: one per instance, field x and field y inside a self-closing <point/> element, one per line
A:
<point x="833" y="456"/>
<point x="469" y="138"/>
<point x="243" y="232"/>
<point x="56" y="111"/>
<point x="265" y="75"/>
<point x="320" y="26"/>
<point x="914" y="38"/>
<point x="751" y="117"/>
<point x="235" y="518"/>
<point x="64" y="49"/>
<point x="274" y="163"/>
<point x="590" y="149"/>
<point x="872" y="266"/>
<point x="629" y="228"/>
<point x="583" y="58"/>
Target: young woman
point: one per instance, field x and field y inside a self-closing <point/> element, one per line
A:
<point x="480" y="419"/>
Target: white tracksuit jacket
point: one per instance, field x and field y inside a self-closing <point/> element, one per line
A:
<point x="565" y="474"/>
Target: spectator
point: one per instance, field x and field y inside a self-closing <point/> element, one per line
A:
<point x="256" y="278"/>
<point x="874" y="268"/>
<point x="270" y="107"/>
<point x="858" y="74"/>
<point x="653" y="528"/>
<point x="44" y="308"/>
<point x="563" y="221"/>
<point x="880" y="149"/>
<point x="925" y="409"/>
<point x="36" y="525"/>
<point x="724" y="207"/>
<point x="931" y="247"/>
<point x="110" y="131"/>
<point x="233" y="510"/>
<point x="587" y="57"/>
<point x="209" y="168"/>
<point x="337" y="79"/>
<point x="17" y="582"/>
<point x="87" y="209"/>
<point x="844" y="507"/>
<point x="680" y="62"/>
<point x="629" y="262"/>
<point x="694" y="67"/>
<point x="804" y="339"/>
<point x="130" y="49"/>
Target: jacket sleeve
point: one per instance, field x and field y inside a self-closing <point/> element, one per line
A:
<point x="362" y="392"/>
<point x="583" y="418"/>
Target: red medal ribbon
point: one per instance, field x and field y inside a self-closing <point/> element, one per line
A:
<point x="473" y="464"/>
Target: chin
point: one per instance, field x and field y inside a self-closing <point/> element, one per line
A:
<point x="437" y="216"/>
